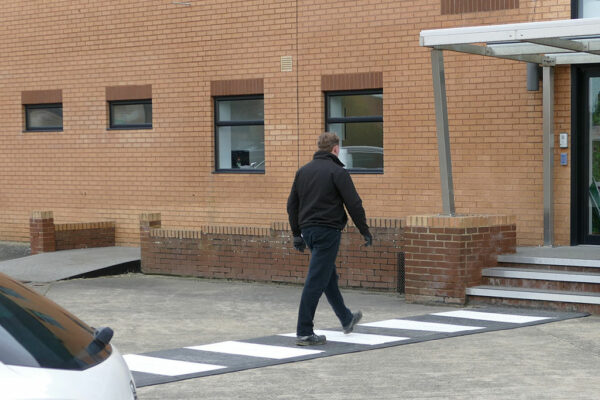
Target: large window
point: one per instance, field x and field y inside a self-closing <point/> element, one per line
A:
<point x="357" y="118"/>
<point x="588" y="8"/>
<point x="239" y="134"/>
<point x="43" y="117"/>
<point x="131" y="114"/>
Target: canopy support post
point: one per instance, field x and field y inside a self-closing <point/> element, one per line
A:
<point x="443" y="135"/>
<point x="548" y="143"/>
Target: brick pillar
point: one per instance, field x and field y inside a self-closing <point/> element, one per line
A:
<point x="148" y="221"/>
<point x="41" y="232"/>
<point x="444" y="255"/>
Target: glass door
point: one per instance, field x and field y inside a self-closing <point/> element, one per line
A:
<point x="585" y="154"/>
<point x="593" y="156"/>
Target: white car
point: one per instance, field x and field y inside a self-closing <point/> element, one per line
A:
<point x="47" y="353"/>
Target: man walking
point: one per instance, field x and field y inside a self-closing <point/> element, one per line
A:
<point x="316" y="212"/>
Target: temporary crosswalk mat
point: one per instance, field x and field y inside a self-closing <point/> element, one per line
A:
<point x="223" y="357"/>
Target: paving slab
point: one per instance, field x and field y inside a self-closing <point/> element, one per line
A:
<point x="58" y="265"/>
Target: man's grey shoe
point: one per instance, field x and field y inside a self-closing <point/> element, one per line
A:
<point x="355" y="318"/>
<point x="311" y="340"/>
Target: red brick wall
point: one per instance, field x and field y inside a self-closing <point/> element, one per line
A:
<point x="90" y="173"/>
<point x="445" y="255"/>
<point x="41" y="232"/>
<point x="267" y="254"/>
<point x="84" y="235"/>
<point x="46" y="236"/>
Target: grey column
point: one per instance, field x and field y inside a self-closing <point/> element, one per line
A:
<point x="443" y="135"/>
<point x="548" y="101"/>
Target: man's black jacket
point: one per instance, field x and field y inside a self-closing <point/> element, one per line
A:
<point x="321" y="189"/>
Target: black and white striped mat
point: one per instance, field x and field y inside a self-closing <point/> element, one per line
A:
<point x="218" y="358"/>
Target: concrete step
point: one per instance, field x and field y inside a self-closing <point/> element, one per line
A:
<point x="535" y="298"/>
<point x="542" y="274"/>
<point x="527" y="260"/>
<point x="547" y="279"/>
<point x="534" y="294"/>
<point x="567" y="268"/>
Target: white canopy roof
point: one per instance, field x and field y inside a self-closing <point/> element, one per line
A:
<point x="549" y="43"/>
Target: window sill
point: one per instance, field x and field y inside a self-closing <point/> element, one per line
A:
<point x="128" y="128"/>
<point x="366" y="172"/>
<point x="240" y="171"/>
<point x="42" y="130"/>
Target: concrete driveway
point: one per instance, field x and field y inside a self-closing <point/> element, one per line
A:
<point x="559" y="360"/>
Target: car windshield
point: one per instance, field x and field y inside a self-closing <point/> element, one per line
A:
<point x="35" y="332"/>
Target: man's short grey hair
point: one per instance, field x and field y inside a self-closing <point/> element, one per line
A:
<point x="327" y="141"/>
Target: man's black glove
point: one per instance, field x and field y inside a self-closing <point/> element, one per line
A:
<point x="299" y="244"/>
<point x="368" y="239"/>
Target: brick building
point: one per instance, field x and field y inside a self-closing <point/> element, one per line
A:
<point x="203" y="110"/>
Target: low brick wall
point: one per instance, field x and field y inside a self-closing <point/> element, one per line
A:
<point x="444" y="255"/>
<point x="41" y="232"/>
<point x="84" y="235"/>
<point x="267" y="254"/>
<point x="46" y="236"/>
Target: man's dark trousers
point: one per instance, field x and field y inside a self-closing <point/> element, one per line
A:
<point x="322" y="278"/>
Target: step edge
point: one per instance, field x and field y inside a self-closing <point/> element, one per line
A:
<point x="536" y="274"/>
<point x="531" y="294"/>
<point x="569" y="262"/>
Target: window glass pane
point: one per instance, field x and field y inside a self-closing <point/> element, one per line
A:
<point x="589" y="8"/>
<point x="241" y="147"/>
<point x="241" y="110"/>
<point x="594" y="157"/>
<point x="131" y="114"/>
<point x="44" y="117"/>
<point x="361" y="105"/>
<point x="361" y="144"/>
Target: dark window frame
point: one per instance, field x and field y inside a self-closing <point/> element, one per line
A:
<point x="336" y="120"/>
<point x="113" y="126"/>
<point x="28" y="107"/>
<point x="218" y="123"/>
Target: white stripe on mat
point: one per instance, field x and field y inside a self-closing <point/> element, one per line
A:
<point x="355" y="338"/>
<point x="163" y="366"/>
<point x="421" y="326"/>
<point x="495" y="317"/>
<point x="255" y="350"/>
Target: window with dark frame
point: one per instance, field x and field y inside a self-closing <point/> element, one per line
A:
<point x="130" y="114"/>
<point x="43" y="117"/>
<point x="449" y="7"/>
<point x="239" y="134"/>
<point x="357" y="118"/>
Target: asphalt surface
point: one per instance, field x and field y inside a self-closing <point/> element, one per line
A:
<point x="12" y="250"/>
<point x="559" y="360"/>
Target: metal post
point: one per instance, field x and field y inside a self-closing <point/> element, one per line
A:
<point x="443" y="135"/>
<point x="548" y="101"/>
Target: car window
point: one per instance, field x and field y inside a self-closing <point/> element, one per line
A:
<point x="35" y="332"/>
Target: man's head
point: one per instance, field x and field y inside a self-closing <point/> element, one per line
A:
<point x="329" y="142"/>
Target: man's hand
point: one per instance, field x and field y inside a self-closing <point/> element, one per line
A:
<point x="299" y="244"/>
<point x="368" y="239"/>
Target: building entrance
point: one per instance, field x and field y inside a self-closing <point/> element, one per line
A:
<point x="586" y="154"/>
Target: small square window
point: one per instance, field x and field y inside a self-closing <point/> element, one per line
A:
<point x="131" y="114"/>
<point x="239" y="134"/>
<point x="43" y="117"/>
<point x="357" y="118"/>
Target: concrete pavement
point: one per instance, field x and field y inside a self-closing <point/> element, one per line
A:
<point x="13" y="250"/>
<point x="57" y="265"/>
<point x="554" y="361"/>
